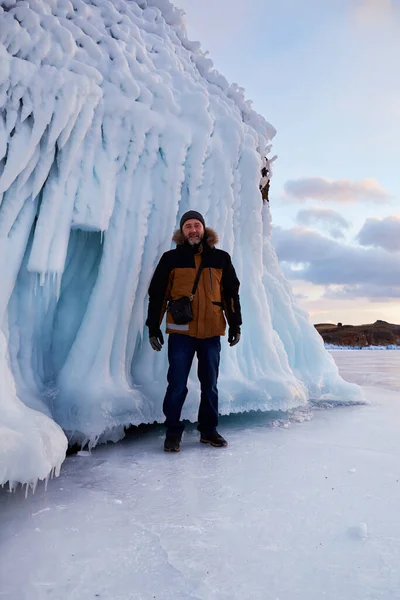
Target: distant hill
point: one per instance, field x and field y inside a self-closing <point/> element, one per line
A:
<point x="379" y="333"/>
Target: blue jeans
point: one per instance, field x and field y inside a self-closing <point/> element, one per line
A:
<point x="181" y="351"/>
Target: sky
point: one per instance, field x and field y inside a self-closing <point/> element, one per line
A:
<point x="325" y="74"/>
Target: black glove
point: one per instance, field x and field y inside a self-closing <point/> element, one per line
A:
<point x="156" y="338"/>
<point x="234" y="335"/>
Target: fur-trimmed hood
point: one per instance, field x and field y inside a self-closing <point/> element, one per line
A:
<point x="210" y="237"/>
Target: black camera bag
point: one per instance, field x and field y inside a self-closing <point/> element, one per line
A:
<point x="181" y="309"/>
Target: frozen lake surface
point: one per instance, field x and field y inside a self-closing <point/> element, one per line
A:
<point x="305" y="509"/>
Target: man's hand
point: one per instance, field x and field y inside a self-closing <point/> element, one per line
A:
<point x="156" y="339"/>
<point x="234" y="336"/>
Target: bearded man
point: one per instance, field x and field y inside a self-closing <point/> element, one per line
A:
<point x="197" y="286"/>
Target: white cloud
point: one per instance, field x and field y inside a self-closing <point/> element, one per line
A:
<point x="336" y="233"/>
<point x="300" y="296"/>
<point x="384" y="233"/>
<point x="309" y="256"/>
<point x="374" y="293"/>
<point x="343" y="190"/>
<point x="326" y="217"/>
<point x="368" y="12"/>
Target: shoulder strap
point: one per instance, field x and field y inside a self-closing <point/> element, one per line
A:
<point x="196" y="281"/>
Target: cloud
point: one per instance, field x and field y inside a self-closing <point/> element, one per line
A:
<point x="333" y="220"/>
<point x="336" y="233"/>
<point x="300" y="296"/>
<point x="343" y="190"/>
<point x="373" y="292"/>
<point x="370" y="11"/>
<point x="309" y="256"/>
<point x="383" y="233"/>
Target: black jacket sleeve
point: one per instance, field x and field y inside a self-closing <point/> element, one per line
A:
<point x="230" y="294"/>
<point x="158" y="294"/>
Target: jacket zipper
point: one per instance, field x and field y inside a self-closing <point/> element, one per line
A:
<point x="210" y="278"/>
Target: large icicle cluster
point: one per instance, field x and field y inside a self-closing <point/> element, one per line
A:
<point x="113" y="124"/>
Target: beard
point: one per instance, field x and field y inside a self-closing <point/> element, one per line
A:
<point x="194" y="240"/>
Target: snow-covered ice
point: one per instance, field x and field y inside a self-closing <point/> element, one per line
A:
<point x="304" y="513"/>
<point x="112" y="124"/>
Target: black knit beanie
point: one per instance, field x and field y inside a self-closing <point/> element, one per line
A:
<point x="192" y="214"/>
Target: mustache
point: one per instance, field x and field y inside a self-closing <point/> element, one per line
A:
<point x="194" y="238"/>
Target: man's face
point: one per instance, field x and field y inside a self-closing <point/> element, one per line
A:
<point x="193" y="231"/>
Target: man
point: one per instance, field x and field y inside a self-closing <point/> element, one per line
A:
<point x="216" y="297"/>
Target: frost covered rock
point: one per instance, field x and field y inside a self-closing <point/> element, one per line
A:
<point x="113" y="124"/>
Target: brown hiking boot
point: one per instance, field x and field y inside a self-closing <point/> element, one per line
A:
<point x="172" y="443"/>
<point x="214" y="439"/>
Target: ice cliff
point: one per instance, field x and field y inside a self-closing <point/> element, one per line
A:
<point x="112" y="125"/>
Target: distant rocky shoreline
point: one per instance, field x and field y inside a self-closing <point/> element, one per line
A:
<point x="378" y="334"/>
